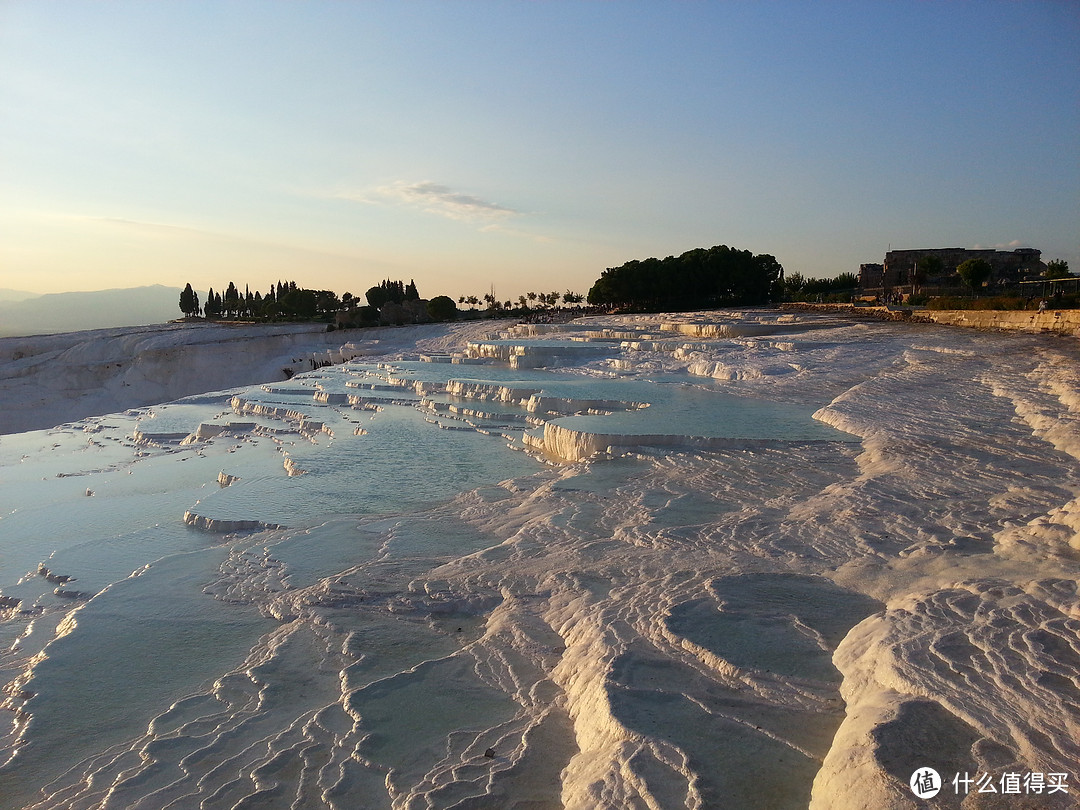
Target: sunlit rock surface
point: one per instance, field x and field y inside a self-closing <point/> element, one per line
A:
<point x="727" y="560"/>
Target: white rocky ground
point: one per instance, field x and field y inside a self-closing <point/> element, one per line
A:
<point x="759" y="625"/>
<point x="46" y="380"/>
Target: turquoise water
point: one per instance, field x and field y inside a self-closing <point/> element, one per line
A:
<point x="675" y="407"/>
<point x="141" y="632"/>
<point x="680" y="409"/>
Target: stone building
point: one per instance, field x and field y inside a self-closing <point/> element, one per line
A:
<point x="871" y="276"/>
<point x="902" y="272"/>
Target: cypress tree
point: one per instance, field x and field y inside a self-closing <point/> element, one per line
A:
<point x="189" y="301"/>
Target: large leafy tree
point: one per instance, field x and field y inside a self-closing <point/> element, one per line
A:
<point x="974" y="272"/>
<point x="302" y="303"/>
<point x="442" y="308"/>
<point x="702" y="277"/>
<point x="326" y="302"/>
<point x="1057" y="268"/>
<point x="377" y="296"/>
<point x="392" y="292"/>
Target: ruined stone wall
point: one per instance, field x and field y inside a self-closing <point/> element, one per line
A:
<point x="1008" y="265"/>
<point x="1060" y="321"/>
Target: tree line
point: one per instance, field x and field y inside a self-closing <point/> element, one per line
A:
<point x="527" y="301"/>
<point x="286" y="299"/>
<point x="699" y="278"/>
<point x="799" y="288"/>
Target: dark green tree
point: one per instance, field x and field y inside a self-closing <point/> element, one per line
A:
<point x="189" y="301"/>
<point x="442" y="308"/>
<point x="974" y="272"/>
<point x="794" y="284"/>
<point x="377" y="296"/>
<point x="392" y="292"/>
<point x="799" y="288"/>
<point x="1055" y="268"/>
<point x="326" y="302"/>
<point x="232" y="301"/>
<point x="300" y="303"/>
<point x="698" y="278"/>
<point x="211" y="308"/>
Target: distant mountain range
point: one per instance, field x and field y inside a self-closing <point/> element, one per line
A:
<point x="24" y="313"/>
<point x="16" y="295"/>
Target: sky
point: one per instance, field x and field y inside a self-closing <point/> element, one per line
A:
<point x="523" y="146"/>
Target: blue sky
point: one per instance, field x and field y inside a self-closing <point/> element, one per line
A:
<point x="525" y="145"/>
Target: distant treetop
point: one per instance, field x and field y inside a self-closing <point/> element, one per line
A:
<point x="392" y="292"/>
<point x="717" y="276"/>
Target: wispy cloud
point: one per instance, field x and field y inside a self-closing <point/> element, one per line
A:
<point x="1015" y="243"/>
<point x="435" y="199"/>
<point x="152" y="229"/>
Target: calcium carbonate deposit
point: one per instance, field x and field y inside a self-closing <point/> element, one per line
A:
<point x="731" y="560"/>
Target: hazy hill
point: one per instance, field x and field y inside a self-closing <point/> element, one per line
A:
<point x="76" y="311"/>
<point x="16" y="295"/>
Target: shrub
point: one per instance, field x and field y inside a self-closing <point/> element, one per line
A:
<point x="1001" y="302"/>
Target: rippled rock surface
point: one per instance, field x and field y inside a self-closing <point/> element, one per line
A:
<point x="742" y="560"/>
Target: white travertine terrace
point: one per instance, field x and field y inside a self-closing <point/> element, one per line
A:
<point x="661" y="620"/>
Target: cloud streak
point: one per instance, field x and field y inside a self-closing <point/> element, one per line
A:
<point x="1015" y="243"/>
<point x="434" y="198"/>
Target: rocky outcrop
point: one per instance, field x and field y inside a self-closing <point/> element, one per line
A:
<point x="291" y="467"/>
<point x="50" y="576"/>
<point x="208" y="430"/>
<point x="150" y="439"/>
<point x="330" y="397"/>
<point x="224" y="526"/>
<point x="241" y="405"/>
